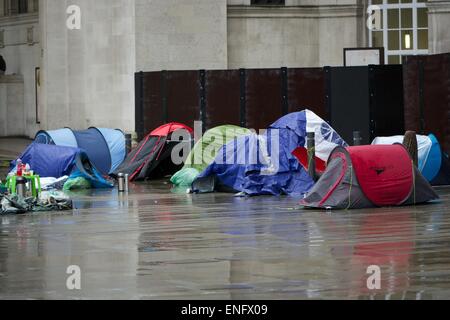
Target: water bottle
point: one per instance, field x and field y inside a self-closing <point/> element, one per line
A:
<point x="19" y="168"/>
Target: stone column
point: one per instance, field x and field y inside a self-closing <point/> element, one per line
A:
<point x="2" y="8"/>
<point x="88" y="74"/>
<point x="439" y="26"/>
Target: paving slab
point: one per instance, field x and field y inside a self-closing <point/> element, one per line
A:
<point x="157" y="244"/>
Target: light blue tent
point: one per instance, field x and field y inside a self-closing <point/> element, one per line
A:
<point x="105" y="148"/>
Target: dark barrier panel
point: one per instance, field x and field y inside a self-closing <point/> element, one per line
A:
<point x="263" y="95"/>
<point x="222" y="91"/>
<point x="362" y="99"/>
<point x="139" y="104"/>
<point x="427" y="96"/>
<point x="182" y="97"/>
<point x="411" y="93"/>
<point x="306" y="90"/>
<point x="366" y="99"/>
<point x="386" y="100"/>
<point x="153" y="100"/>
<point x="349" y="102"/>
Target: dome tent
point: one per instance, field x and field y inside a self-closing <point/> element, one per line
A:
<point x="151" y="159"/>
<point x="105" y="148"/>
<point x="205" y="151"/>
<point x="369" y="176"/>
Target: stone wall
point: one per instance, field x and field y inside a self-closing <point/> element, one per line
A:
<point x="88" y="74"/>
<point x="179" y="35"/>
<point x="12" y="114"/>
<point x="21" y="52"/>
<point x="293" y="36"/>
<point x="439" y="26"/>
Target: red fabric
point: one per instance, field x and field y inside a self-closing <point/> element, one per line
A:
<point x="169" y="128"/>
<point x="385" y="173"/>
<point x="302" y="156"/>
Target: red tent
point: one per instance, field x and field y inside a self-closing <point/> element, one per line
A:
<point x="151" y="159"/>
<point x="169" y="128"/>
<point x="369" y="176"/>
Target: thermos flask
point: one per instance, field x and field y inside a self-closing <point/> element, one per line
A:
<point x="121" y="182"/>
<point x="126" y="182"/>
<point x="21" y="187"/>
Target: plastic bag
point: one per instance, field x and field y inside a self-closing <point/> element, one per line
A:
<point x="185" y="177"/>
<point x="79" y="183"/>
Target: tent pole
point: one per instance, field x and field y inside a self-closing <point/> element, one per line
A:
<point x="128" y="142"/>
<point x="410" y="143"/>
<point x="357" y="138"/>
<point x="311" y="146"/>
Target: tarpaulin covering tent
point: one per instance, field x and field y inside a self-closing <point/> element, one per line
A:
<point x="265" y="164"/>
<point x="205" y="151"/>
<point x="369" y="176"/>
<point x="56" y="161"/>
<point x="433" y="163"/>
<point x="105" y="147"/>
<point x="151" y="159"/>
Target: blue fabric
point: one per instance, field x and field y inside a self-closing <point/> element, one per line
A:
<point x="116" y="144"/>
<point x="63" y="137"/>
<point x="95" y="145"/>
<point x="105" y="147"/>
<point x="248" y="176"/>
<point x="49" y="160"/>
<point x="96" y="179"/>
<point x="434" y="161"/>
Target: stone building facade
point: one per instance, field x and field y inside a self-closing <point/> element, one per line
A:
<point x="82" y="77"/>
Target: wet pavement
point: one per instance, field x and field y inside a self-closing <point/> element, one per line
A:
<point x="157" y="244"/>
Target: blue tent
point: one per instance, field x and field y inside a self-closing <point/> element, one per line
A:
<point x="105" y="147"/>
<point x="48" y="160"/>
<point x="265" y="164"/>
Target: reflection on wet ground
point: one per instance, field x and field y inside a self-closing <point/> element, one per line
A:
<point x="158" y="244"/>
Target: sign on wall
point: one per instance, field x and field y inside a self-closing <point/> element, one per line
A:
<point x="363" y="56"/>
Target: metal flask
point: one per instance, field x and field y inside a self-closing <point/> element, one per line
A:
<point x="121" y="182"/>
<point x="127" y="182"/>
<point x="21" y="187"/>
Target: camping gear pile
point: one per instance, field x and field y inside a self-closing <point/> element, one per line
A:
<point x="86" y="157"/>
<point x="62" y="160"/>
<point x="22" y="193"/>
<point x="46" y="201"/>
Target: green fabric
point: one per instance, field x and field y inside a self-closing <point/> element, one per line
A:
<point x="77" y="184"/>
<point x="205" y="152"/>
<point x="185" y="177"/>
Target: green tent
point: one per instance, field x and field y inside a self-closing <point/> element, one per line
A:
<point x="205" y="151"/>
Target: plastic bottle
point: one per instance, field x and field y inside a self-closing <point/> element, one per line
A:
<point x="19" y="168"/>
